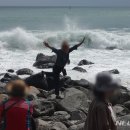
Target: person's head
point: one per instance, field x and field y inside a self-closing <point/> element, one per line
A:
<point x="17" y="88"/>
<point x="105" y="86"/>
<point x="65" y="46"/>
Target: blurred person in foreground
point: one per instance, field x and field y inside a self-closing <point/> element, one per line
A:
<point x="16" y="112"/>
<point x="61" y="61"/>
<point x="101" y="115"/>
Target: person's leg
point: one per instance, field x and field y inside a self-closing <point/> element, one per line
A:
<point x="56" y="73"/>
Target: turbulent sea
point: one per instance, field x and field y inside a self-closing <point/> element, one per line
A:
<point x="23" y="29"/>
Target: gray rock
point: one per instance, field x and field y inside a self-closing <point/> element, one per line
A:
<point x="10" y="70"/>
<point x="85" y="62"/>
<point x="120" y="110"/>
<point x="24" y="71"/>
<point x="83" y="83"/>
<point x="43" y="61"/>
<point x="77" y="127"/>
<point x="120" y="97"/>
<point x="111" y="48"/>
<point x="44" y="107"/>
<point x="74" y="99"/>
<point x="57" y="126"/>
<point x="114" y="71"/>
<point x="127" y="104"/>
<point x="79" y="69"/>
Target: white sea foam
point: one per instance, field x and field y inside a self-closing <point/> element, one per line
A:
<point x="22" y="39"/>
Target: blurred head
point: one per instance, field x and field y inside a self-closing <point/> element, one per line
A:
<point x="105" y="85"/>
<point x="17" y="88"/>
<point x="65" y="46"/>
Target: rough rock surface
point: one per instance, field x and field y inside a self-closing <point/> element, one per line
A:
<point x="24" y="71"/>
<point x="79" y="69"/>
<point x="85" y="62"/>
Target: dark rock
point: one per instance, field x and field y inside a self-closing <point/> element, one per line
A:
<point x="127" y="104"/>
<point x="120" y="97"/>
<point x="10" y="71"/>
<point x="115" y="71"/>
<point x="78" y="115"/>
<point x="79" y="69"/>
<point x="111" y="48"/>
<point x="2" y="88"/>
<point x="8" y="77"/>
<point x="83" y="83"/>
<point x="57" y="126"/>
<point x="24" y="71"/>
<point x="44" y="108"/>
<point x="43" y="61"/>
<point x="120" y="110"/>
<point x="85" y="62"/>
<point x="37" y="80"/>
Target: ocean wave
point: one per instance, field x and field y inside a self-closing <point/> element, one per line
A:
<point x="22" y="39"/>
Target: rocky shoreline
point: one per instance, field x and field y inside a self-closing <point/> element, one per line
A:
<point x="70" y="112"/>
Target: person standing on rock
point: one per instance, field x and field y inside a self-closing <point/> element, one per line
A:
<point x="16" y="112"/>
<point x="61" y="61"/>
<point x="100" y="115"/>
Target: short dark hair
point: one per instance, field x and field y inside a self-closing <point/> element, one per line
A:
<point x="98" y="94"/>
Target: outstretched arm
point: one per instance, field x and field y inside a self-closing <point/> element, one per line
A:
<point x="45" y="43"/>
<point x="81" y="42"/>
<point x="76" y="46"/>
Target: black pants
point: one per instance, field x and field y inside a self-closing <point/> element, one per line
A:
<point x="56" y="73"/>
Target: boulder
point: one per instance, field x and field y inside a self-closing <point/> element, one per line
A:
<point x="111" y="48"/>
<point x="85" y="62"/>
<point x="43" y="61"/>
<point x="79" y="69"/>
<point x="74" y="99"/>
<point x="120" y="110"/>
<point x="37" y="80"/>
<point x="78" y="115"/>
<point x="24" y="71"/>
<point x="59" y="116"/>
<point x="8" y="77"/>
<point x="82" y="82"/>
<point x="10" y="70"/>
<point x="42" y="125"/>
<point x="123" y="95"/>
<point x="127" y="104"/>
<point x="77" y="127"/>
<point x="57" y="126"/>
<point x="43" y="108"/>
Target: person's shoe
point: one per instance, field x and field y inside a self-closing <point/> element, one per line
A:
<point x="59" y="97"/>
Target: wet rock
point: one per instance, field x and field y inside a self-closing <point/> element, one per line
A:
<point x="83" y="83"/>
<point x="114" y="71"/>
<point x="73" y="100"/>
<point x="10" y="71"/>
<point x="111" y="48"/>
<point x="2" y="87"/>
<point x="8" y="77"/>
<point x="85" y="62"/>
<point x="43" y="61"/>
<point x="120" y="110"/>
<point x="79" y="69"/>
<point x="37" y="80"/>
<point x="24" y="71"/>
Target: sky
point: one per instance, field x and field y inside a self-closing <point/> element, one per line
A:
<point x="64" y="2"/>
